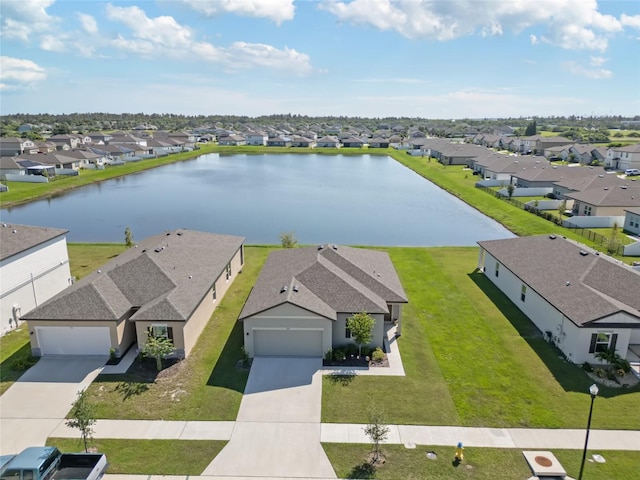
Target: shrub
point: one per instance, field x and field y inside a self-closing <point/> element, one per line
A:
<point x="611" y="375"/>
<point x="329" y="355"/>
<point x="378" y="355"/>
<point x="352" y="349"/>
<point x="24" y="362"/>
<point x="366" y="351"/>
<point x="600" y="372"/>
<point x="339" y="354"/>
<point x="586" y="366"/>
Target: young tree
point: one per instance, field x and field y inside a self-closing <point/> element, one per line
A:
<point x="128" y="237"/>
<point x="531" y="129"/>
<point x="376" y="430"/>
<point x="613" y="242"/>
<point x="158" y="347"/>
<point x="510" y="189"/>
<point x="361" y="325"/>
<point x="83" y="417"/>
<point x="562" y="208"/>
<point x="288" y="240"/>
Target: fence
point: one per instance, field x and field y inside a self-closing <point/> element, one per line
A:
<point x="583" y="232"/>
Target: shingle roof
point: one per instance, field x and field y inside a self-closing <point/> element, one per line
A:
<point x="24" y="238"/>
<point x="557" y="172"/>
<point x="166" y="276"/>
<point x="616" y="196"/>
<point x="326" y="280"/>
<point x="583" y="287"/>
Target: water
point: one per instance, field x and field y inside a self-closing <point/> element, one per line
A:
<point x="350" y="200"/>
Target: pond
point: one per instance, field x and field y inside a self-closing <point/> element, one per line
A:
<point x="350" y="200"/>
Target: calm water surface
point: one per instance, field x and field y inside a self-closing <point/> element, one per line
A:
<point x="359" y="200"/>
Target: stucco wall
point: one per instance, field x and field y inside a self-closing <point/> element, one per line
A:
<point x="339" y="338"/>
<point x="286" y="316"/>
<point x="32" y="277"/>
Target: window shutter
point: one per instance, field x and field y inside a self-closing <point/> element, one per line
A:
<point x="170" y="333"/>
<point x="614" y="339"/>
<point x="592" y="347"/>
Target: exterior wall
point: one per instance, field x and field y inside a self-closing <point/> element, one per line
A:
<point x="116" y="341"/>
<point x="573" y="341"/>
<point x="634" y="337"/>
<point x="286" y="316"/>
<point x="32" y="277"/>
<point x="185" y="334"/>
<point x="339" y="338"/>
<point x="632" y="223"/>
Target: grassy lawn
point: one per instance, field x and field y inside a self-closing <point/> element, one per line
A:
<point x="472" y="358"/>
<point x="149" y="457"/>
<point x="349" y="461"/>
<point x="83" y="259"/>
<point x="208" y="386"/>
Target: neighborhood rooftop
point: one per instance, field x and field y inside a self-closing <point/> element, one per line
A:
<point x="19" y="238"/>
<point x="577" y="281"/>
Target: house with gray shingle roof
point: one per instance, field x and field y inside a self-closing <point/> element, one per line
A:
<point x="608" y="201"/>
<point x="581" y="301"/>
<point x="301" y="301"/>
<point x="168" y="285"/>
<point x="34" y="266"/>
<point x="632" y="220"/>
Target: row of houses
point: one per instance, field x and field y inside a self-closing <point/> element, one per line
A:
<point x="170" y="284"/>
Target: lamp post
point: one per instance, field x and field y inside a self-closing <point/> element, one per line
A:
<point x="593" y="390"/>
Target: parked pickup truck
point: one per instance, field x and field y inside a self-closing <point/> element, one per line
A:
<point x="47" y="463"/>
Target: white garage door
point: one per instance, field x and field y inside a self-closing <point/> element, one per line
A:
<point x="74" y="340"/>
<point x="288" y="343"/>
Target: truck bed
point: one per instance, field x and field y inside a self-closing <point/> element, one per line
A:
<point x="80" y="466"/>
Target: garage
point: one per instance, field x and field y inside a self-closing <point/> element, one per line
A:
<point x="288" y="343"/>
<point x="74" y="340"/>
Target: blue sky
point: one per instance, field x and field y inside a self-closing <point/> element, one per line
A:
<point x="370" y="58"/>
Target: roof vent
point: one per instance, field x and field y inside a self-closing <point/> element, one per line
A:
<point x="320" y="247"/>
<point x="180" y="234"/>
<point x="601" y="176"/>
<point x="295" y="288"/>
<point x="335" y="247"/>
<point x="568" y="283"/>
<point x="624" y="187"/>
<point x="168" y="233"/>
<point x="99" y="271"/>
<point x="283" y="289"/>
<point x="190" y="277"/>
<point x="552" y="237"/>
<point x="158" y="249"/>
<point x="584" y="253"/>
<point x="144" y="251"/>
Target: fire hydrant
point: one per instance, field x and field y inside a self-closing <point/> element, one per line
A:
<point x="459" y="455"/>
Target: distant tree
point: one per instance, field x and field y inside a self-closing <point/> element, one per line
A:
<point x="376" y="430"/>
<point x="128" y="237"/>
<point x="361" y="325"/>
<point x="510" y="189"/>
<point x="83" y="417"/>
<point x="288" y="240"/>
<point x="613" y="242"/>
<point x="562" y="208"/>
<point x="158" y="347"/>
<point x="531" y="129"/>
<point x="61" y="128"/>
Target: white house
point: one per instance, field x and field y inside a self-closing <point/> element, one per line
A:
<point x="622" y="158"/>
<point x="581" y="301"/>
<point x="34" y="266"/>
<point x="632" y="220"/>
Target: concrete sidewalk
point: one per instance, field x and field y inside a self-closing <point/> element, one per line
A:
<point x="525" y="438"/>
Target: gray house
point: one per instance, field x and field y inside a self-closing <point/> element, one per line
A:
<point x="302" y="299"/>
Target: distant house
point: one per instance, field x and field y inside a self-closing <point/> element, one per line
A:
<point x="379" y="142"/>
<point x="298" y="141"/>
<point x="70" y="141"/>
<point x="168" y="286"/>
<point x="632" y="220"/>
<point x="623" y="158"/>
<point x="352" y="142"/>
<point x="232" y="140"/>
<point x="607" y="201"/>
<point x="328" y="142"/>
<point x="256" y="138"/>
<point x="10" y="146"/>
<point x="301" y="301"/>
<point x="545" y="175"/>
<point x="579" y="300"/>
<point x="34" y="266"/>
<point x="278" y="142"/>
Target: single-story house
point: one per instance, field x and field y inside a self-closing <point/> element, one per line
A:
<point x="328" y="142"/>
<point x="278" y="142"/>
<point x="34" y="266"/>
<point x="167" y="285"/>
<point x="545" y="175"/>
<point x="581" y="301"/>
<point x="232" y="140"/>
<point x="352" y="142"/>
<point x="301" y="301"/>
<point x="379" y="142"/>
<point x="298" y="141"/>
<point x="605" y="202"/>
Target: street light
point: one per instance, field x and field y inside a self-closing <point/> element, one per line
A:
<point x="593" y="390"/>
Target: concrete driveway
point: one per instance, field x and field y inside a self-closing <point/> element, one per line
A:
<point x="36" y="404"/>
<point x="277" y="431"/>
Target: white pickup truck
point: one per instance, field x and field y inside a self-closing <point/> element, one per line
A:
<point x="47" y="463"/>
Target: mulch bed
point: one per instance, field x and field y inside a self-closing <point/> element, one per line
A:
<point x="355" y="362"/>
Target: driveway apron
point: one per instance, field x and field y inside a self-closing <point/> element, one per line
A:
<point x="277" y="431"/>
<point x="41" y="398"/>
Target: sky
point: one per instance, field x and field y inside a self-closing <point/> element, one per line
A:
<point x="368" y="58"/>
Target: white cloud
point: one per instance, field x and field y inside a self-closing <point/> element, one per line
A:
<point x="597" y="61"/>
<point x="23" y="18"/>
<point x="53" y="43"/>
<point x="570" y="24"/>
<point x="632" y="21"/>
<point x="276" y="10"/>
<point x="164" y="36"/>
<point x="88" y="23"/>
<point x="589" y="71"/>
<point x="18" y="72"/>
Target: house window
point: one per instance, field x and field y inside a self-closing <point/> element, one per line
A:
<point x="523" y="293"/>
<point x="347" y="331"/>
<point x="161" y="331"/>
<point x="497" y="269"/>
<point x="602" y="341"/>
<point x="228" y="271"/>
<point x="213" y="293"/>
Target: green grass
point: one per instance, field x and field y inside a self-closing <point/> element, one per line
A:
<point x="149" y="457"/>
<point x="208" y="387"/>
<point x="85" y="258"/>
<point x="349" y="461"/>
<point x="473" y="359"/>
